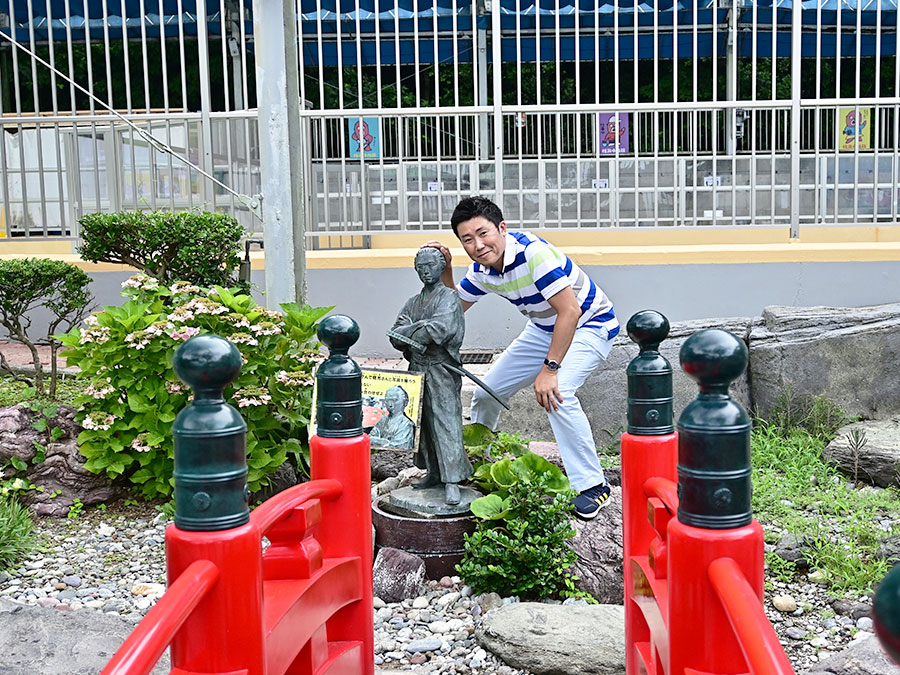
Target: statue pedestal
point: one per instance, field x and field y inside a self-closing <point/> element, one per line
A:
<point x="419" y="522"/>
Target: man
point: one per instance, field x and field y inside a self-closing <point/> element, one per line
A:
<point x="570" y="330"/>
<point x="396" y="429"/>
<point x="433" y="326"/>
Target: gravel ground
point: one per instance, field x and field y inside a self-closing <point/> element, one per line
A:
<point x="114" y="561"/>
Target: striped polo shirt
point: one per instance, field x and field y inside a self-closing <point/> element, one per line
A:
<point x="534" y="271"/>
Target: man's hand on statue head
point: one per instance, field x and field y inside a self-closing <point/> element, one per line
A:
<point x="447" y="274"/>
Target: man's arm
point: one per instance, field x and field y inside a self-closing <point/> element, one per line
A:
<point x="546" y="386"/>
<point x="447" y="274"/>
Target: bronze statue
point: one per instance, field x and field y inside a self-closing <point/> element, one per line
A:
<point x="429" y="331"/>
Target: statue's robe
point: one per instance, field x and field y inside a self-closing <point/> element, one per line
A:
<point x="434" y="318"/>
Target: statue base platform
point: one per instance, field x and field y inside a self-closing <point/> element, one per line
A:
<point x="435" y="535"/>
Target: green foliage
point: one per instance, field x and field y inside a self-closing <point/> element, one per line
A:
<point x="817" y="415"/>
<point x="795" y="489"/>
<point x="28" y="284"/>
<point x="484" y="445"/>
<point x="195" y="246"/>
<point x="133" y="396"/>
<point x="15" y="532"/>
<point x="12" y="391"/>
<point x="523" y="553"/>
<point x="75" y="509"/>
<point x="779" y="568"/>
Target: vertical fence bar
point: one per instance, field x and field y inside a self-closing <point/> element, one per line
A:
<point x="796" y="46"/>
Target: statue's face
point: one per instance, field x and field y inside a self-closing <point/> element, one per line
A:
<point x="393" y="401"/>
<point x="429" y="269"/>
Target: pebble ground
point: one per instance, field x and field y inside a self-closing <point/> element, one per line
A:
<point x="113" y="561"/>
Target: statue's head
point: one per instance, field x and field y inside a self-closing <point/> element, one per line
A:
<point x="429" y="264"/>
<point x="396" y="399"/>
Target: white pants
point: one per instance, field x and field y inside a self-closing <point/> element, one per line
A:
<point x="519" y="366"/>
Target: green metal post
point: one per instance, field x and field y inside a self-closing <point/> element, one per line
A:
<point x="339" y="381"/>
<point x="211" y="491"/>
<point x="649" y="377"/>
<point x="714" y="436"/>
<point x="886" y="613"/>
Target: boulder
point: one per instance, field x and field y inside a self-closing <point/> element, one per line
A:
<point x="285" y="476"/>
<point x="877" y="461"/>
<point x="791" y="549"/>
<point x="605" y="393"/>
<point x="841" y="353"/>
<point x="889" y="549"/>
<point x="398" y="575"/>
<point x="389" y="463"/>
<point x="862" y="657"/>
<point x="39" y="640"/>
<point x="557" y="639"/>
<point x="61" y="478"/>
<point x="598" y="544"/>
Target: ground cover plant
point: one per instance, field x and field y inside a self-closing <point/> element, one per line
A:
<point x="29" y="284"/>
<point x="15" y="532"/>
<point x="132" y="397"/>
<point x="839" y="522"/>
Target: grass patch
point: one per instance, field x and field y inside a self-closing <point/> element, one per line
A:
<point x="12" y="392"/>
<point x="15" y="532"/>
<point x="795" y="490"/>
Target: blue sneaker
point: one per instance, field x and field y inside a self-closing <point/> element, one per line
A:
<point x="589" y="502"/>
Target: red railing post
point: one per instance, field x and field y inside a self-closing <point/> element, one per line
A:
<point x="225" y="632"/>
<point x="714" y="515"/>
<point x="649" y="450"/>
<point x="340" y="450"/>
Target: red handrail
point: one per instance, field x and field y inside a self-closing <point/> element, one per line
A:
<point x="146" y="644"/>
<point x="663" y="489"/>
<point x="760" y="645"/>
<point x="277" y="508"/>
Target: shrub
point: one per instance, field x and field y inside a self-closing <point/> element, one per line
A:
<point x="196" y="246"/>
<point x="523" y="551"/>
<point x="31" y="283"/>
<point x="133" y="395"/>
<point x="15" y="532"/>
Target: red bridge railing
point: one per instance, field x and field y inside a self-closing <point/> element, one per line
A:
<point x="694" y="564"/>
<point x="302" y="605"/>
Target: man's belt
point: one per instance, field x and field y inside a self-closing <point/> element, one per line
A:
<point x="452" y="365"/>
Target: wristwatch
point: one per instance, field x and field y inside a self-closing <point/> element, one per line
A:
<point x="552" y="365"/>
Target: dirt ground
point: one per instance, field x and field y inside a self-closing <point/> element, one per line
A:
<point x="19" y="355"/>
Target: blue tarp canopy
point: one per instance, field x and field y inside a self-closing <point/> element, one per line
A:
<point x="387" y="27"/>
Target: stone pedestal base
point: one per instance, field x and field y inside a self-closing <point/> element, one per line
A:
<point x="437" y="538"/>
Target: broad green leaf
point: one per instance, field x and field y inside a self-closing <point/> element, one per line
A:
<point x="503" y="474"/>
<point x="477" y="435"/>
<point x="490" y="507"/>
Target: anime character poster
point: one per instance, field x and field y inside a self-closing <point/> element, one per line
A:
<point x="614" y="133"/>
<point x="391" y="408"/>
<point x="854" y="129"/>
<point x="365" y="137"/>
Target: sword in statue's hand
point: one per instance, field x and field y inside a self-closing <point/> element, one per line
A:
<point x="452" y="366"/>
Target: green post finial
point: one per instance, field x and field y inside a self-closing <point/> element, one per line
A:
<point x="649" y="377"/>
<point x="211" y="491"/>
<point x="339" y="381"/>
<point x="886" y="613"/>
<point x="714" y="436"/>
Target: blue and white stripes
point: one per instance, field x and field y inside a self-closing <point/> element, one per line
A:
<point x="533" y="272"/>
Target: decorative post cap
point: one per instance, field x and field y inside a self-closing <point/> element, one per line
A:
<point x="886" y="613"/>
<point x="649" y="377"/>
<point x="714" y="436"/>
<point x="338" y="381"/>
<point x="211" y="491"/>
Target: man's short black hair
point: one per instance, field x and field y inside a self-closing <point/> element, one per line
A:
<point x="474" y="207"/>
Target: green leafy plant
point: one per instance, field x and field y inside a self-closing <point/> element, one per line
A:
<point x="29" y="284"/>
<point x="75" y="509"/>
<point x="817" y="415"/>
<point x="15" y="532"/>
<point x="196" y="246"/>
<point x="125" y="353"/>
<point x="498" y="478"/>
<point x="523" y="551"/>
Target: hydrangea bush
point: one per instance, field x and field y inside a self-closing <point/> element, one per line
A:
<point x="133" y="395"/>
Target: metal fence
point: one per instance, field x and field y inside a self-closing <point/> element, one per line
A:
<point x="570" y="114"/>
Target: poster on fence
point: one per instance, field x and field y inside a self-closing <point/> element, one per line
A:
<point x="854" y="129"/>
<point x="391" y="408"/>
<point x="365" y="137"/>
<point x="614" y="133"/>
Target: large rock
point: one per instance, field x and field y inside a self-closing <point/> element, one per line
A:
<point x="389" y="463"/>
<point x="599" y="547"/>
<point x="61" y="478"/>
<point x="397" y="575"/>
<point x="865" y="657"/>
<point x="877" y="461"/>
<point x="39" y="640"/>
<point x="604" y="394"/>
<point x="845" y="354"/>
<point x="557" y="639"/>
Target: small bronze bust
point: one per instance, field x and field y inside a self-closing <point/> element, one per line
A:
<point x="429" y="331"/>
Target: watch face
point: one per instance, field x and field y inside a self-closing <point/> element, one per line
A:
<point x="552" y="365"/>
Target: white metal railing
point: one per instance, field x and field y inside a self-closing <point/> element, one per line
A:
<point x="617" y="114"/>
